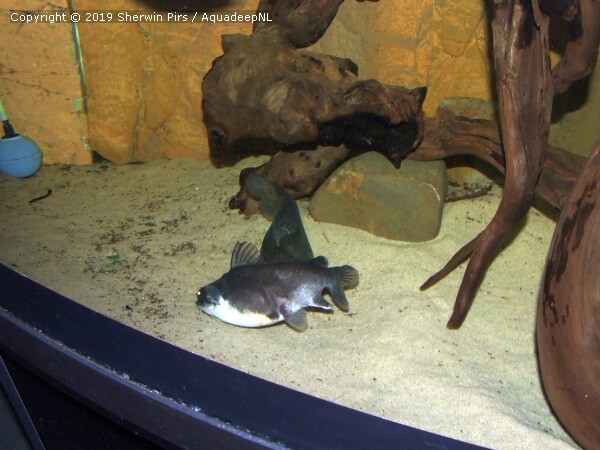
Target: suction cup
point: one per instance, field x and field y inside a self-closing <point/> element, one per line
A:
<point x="20" y="157"/>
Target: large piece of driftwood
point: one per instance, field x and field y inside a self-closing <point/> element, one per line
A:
<point x="524" y="86"/>
<point x="445" y="135"/>
<point x="265" y="94"/>
<point x="568" y="320"/>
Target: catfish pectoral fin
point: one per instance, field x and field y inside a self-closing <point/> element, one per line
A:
<point x="296" y="320"/>
<point x="283" y="226"/>
<point x="339" y="298"/>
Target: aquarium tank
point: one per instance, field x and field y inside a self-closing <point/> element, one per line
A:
<point x="272" y="224"/>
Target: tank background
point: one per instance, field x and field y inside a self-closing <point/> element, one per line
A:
<point x="143" y="80"/>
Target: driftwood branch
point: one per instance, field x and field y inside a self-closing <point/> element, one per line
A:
<point x="525" y="87"/>
<point x="581" y="53"/>
<point x="523" y="83"/>
<point x="449" y="134"/>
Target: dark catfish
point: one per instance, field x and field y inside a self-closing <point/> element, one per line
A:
<point x="256" y="294"/>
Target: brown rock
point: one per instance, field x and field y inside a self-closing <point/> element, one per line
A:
<point x="367" y="192"/>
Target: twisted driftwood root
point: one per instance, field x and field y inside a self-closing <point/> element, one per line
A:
<point x="568" y="319"/>
<point x="524" y="85"/>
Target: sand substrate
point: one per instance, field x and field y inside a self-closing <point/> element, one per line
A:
<point x="136" y="242"/>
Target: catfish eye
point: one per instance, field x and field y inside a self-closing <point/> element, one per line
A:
<point x="208" y="295"/>
<point x="201" y="297"/>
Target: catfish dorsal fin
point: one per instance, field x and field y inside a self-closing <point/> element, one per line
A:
<point x="320" y="260"/>
<point x="285" y="223"/>
<point x="271" y="197"/>
<point x="244" y="253"/>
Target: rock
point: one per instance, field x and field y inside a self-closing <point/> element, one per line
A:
<point x="41" y="84"/>
<point x="144" y="80"/>
<point x="113" y="82"/>
<point x="442" y="45"/>
<point x="367" y="192"/>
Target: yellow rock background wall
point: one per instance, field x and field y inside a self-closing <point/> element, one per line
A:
<point x="40" y="83"/>
<point x="143" y="80"/>
<point x="439" y="44"/>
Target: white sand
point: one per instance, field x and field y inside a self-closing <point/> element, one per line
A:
<point x="136" y="242"/>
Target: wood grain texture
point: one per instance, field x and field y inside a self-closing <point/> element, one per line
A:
<point x="524" y="86"/>
<point x="568" y="319"/>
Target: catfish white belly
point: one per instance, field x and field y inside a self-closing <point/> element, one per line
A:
<point x="226" y="312"/>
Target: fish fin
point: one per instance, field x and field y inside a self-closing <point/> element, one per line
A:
<point x="244" y="253"/>
<point x="339" y="298"/>
<point x="271" y="197"/>
<point x="320" y="260"/>
<point x="321" y="303"/>
<point x="283" y="225"/>
<point x="346" y="276"/>
<point x="296" y="320"/>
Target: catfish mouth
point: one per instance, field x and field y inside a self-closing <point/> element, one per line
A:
<point x="204" y="298"/>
